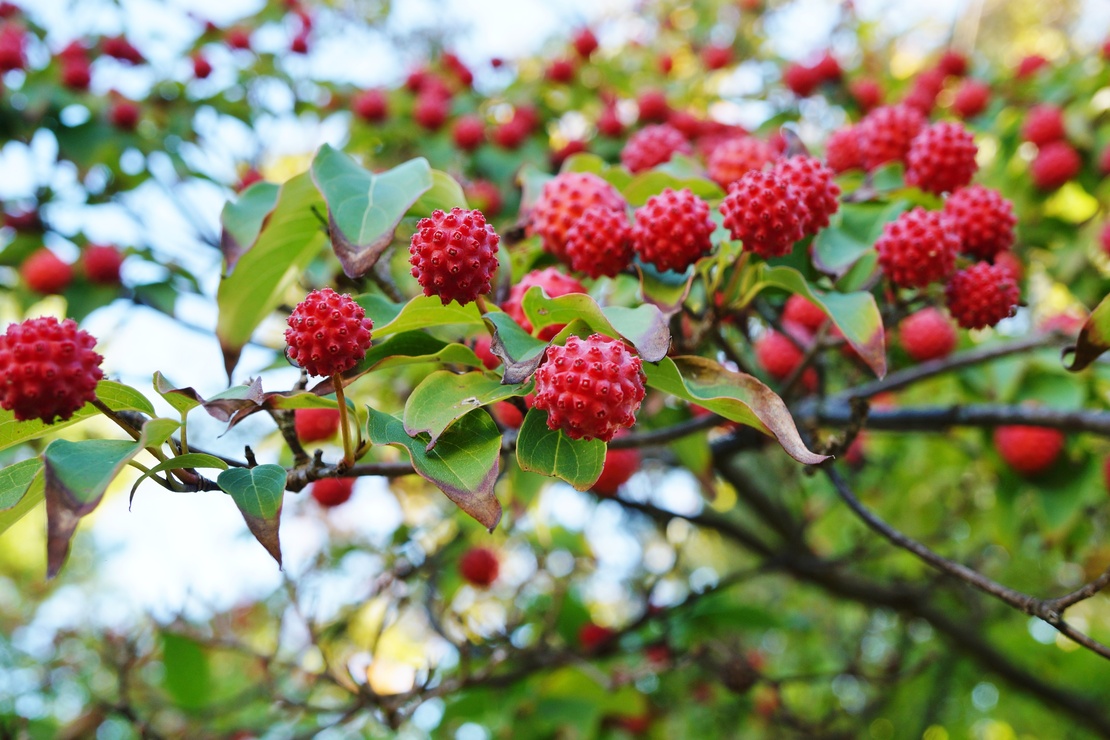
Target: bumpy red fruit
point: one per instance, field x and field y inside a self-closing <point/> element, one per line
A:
<point x="590" y="388"/>
<point x="454" y="255"/>
<point x="766" y="213"/>
<point x="800" y="310"/>
<point x="972" y="97"/>
<point x="328" y="333"/>
<point x="886" y="134"/>
<point x="330" y="492"/>
<point x="982" y="295"/>
<point x="316" y="425"/>
<point x="619" y="467"/>
<point x="102" y="264"/>
<point x="983" y="219"/>
<point x="780" y="357"/>
<point x="1030" y="65"/>
<point x="733" y="158"/>
<point x="48" y="369"/>
<point x="563" y="201"/>
<point x="842" y="152"/>
<point x="44" y="272"/>
<point x="1054" y="165"/>
<point x="1044" y="124"/>
<point x="469" y="132"/>
<point x="941" y="158"/>
<point x="918" y="248"/>
<point x="653" y="145"/>
<point x="1027" y="449"/>
<point x="672" y="229"/>
<point x="814" y="182"/>
<point x="480" y="566"/>
<point x="927" y="335"/>
<point x="600" y="242"/>
<point x="553" y="283"/>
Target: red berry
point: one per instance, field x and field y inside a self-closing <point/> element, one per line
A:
<point x="485" y="196"/>
<point x="619" y="467"/>
<point x="592" y="636"/>
<point x="568" y="150"/>
<point x="120" y="48"/>
<point x="927" y="335"/>
<point x="44" y="272"/>
<point x="886" y="133"/>
<point x="814" y="182"/>
<point x="507" y="415"/>
<point x="316" y="425"/>
<point x="953" y="63"/>
<point x="1009" y="262"/>
<point x="328" y="333"/>
<point x="454" y="255"/>
<point x="482" y="348"/>
<point x="250" y="177"/>
<point x="201" y="66"/>
<point x="653" y="106"/>
<point x="780" y="357"/>
<point x="982" y="295"/>
<point x="1027" y="449"/>
<point x="458" y="68"/>
<point x="370" y="106"/>
<point x="766" y="213"/>
<point x="842" y="150"/>
<point x="23" y="221"/>
<point x="867" y="93"/>
<point x="48" y="369"/>
<point x="1030" y="65"/>
<point x="609" y="123"/>
<point x="469" y="133"/>
<point x="1054" y="165"/>
<point x="76" y="74"/>
<point x="330" y="492"/>
<point x="12" y="48"/>
<point x="983" y="219"/>
<point x="924" y="91"/>
<point x="510" y="135"/>
<point x="590" y="388"/>
<point x="827" y="68"/>
<point x="299" y="44"/>
<point x="918" y="248"/>
<point x="124" y="115"/>
<point x="585" y="43"/>
<point x="563" y="201"/>
<point x="600" y="242"/>
<point x="102" y="264"/>
<point x="238" y="38"/>
<point x="653" y="145"/>
<point x="479" y="566"/>
<point x="431" y="111"/>
<point x="560" y="71"/>
<point x="941" y="158"/>
<point x="801" y="311"/>
<point x="732" y="159"/>
<point x="972" y="97"/>
<point x="672" y="229"/>
<point x="666" y="64"/>
<point x="1043" y="125"/>
<point x="801" y="80"/>
<point x="716" y="57"/>
<point x="553" y="283"/>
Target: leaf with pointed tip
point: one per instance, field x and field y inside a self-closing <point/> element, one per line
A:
<point x="427" y="311"/>
<point x="115" y="396"/>
<point x="258" y="492"/>
<point x="552" y="453"/>
<point x="520" y="351"/>
<point x="644" y="326"/>
<point x="236" y="403"/>
<point x="289" y="240"/>
<point x="735" y="396"/>
<point x="16" y="497"/>
<point x="241" y="221"/>
<point x="445" y="194"/>
<point x="188" y="461"/>
<point x="444" y="397"/>
<point x="855" y="314"/>
<point x="1094" y="338"/>
<point x="464" y="463"/>
<point x="77" y="475"/>
<point x="364" y="208"/>
<point x="183" y="400"/>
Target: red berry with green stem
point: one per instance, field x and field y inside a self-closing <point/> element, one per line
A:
<point x="328" y="333"/>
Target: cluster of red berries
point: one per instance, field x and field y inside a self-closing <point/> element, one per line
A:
<point x="47" y="273"/>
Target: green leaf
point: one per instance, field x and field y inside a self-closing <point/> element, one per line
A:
<point x="445" y="194"/>
<point x="666" y="290"/>
<point x="444" y="397"/>
<point x="427" y="311"/>
<point x="242" y="220"/>
<point x="531" y="180"/>
<point x="16" y="479"/>
<point x="258" y="492"/>
<point x="187" y="674"/>
<point x="652" y="182"/>
<point x="77" y="475"/>
<point x="855" y="314"/>
<point x="464" y="463"/>
<point x="290" y="239"/>
<point x="520" y="351"/>
<point x="646" y="326"/>
<point x="406" y="348"/>
<point x="552" y="453"/>
<point x="1094" y="338"/>
<point x="851" y="234"/>
<point x="364" y="208"/>
<point x="735" y="396"/>
<point x="183" y="400"/>
<point x="29" y="499"/>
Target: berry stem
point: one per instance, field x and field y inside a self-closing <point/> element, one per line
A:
<point x="483" y="308"/>
<point x="348" y="447"/>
